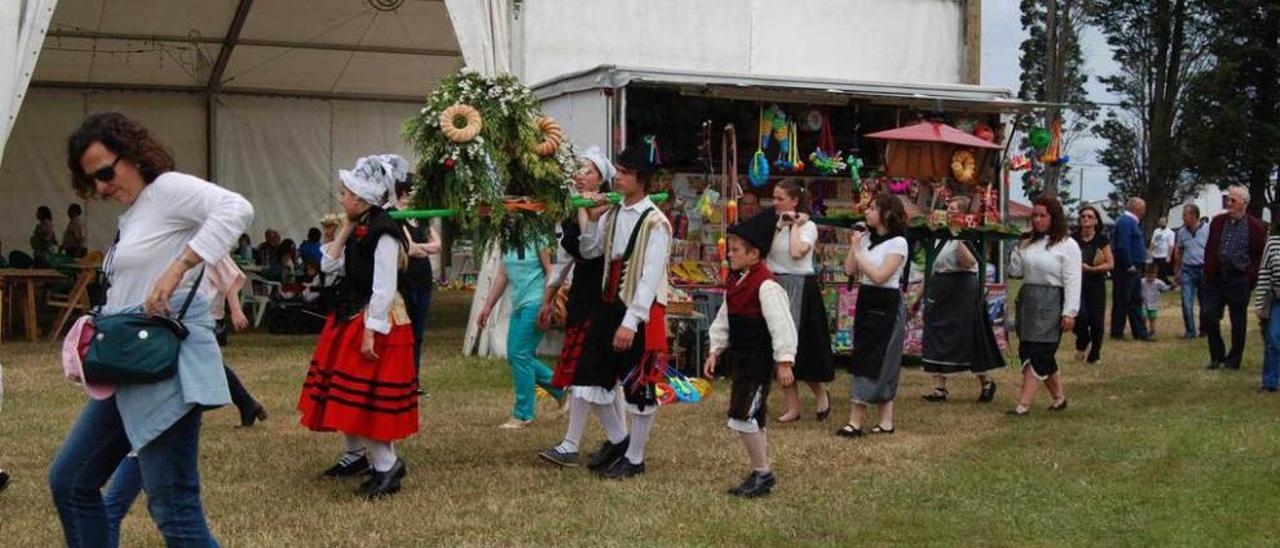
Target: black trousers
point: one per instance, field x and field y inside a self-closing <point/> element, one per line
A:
<point x="1092" y="318"/>
<point x="1215" y="295"/>
<point x="1126" y="304"/>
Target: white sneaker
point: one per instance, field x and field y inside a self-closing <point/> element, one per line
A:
<point x="514" y="424"/>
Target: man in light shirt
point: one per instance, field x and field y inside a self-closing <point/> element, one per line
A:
<point x="1188" y="265"/>
<point x="1162" y="239"/>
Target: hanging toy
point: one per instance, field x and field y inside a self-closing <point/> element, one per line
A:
<point x="797" y="166"/>
<point x="984" y="132"/>
<point x="758" y="170"/>
<point x="731" y="211"/>
<point x="826" y="158"/>
<point x="706" y="205"/>
<point x="1039" y="138"/>
<point x="855" y="169"/>
<point x="655" y="155"/>
<point x="783" y="162"/>
<point x="1054" y="151"/>
<point x="901" y="186"/>
<point x="1018" y="163"/>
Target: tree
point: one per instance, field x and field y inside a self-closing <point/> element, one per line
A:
<point x="1233" y="115"/>
<point x="1052" y="65"/>
<point x="1159" y="45"/>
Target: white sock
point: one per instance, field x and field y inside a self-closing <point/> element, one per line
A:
<point x="640" y="426"/>
<point x="620" y="403"/>
<point x="757" y="449"/>
<point x="578" y="411"/>
<point x="382" y="455"/>
<point x="355" y="450"/>
<point x="611" y="421"/>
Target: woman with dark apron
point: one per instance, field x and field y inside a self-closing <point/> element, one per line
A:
<point x="957" y="329"/>
<point x="1096" y="261"/>
<point x="790" y="259"/>
<point x="1048" y="261"/>
<point x="877" y="259"/>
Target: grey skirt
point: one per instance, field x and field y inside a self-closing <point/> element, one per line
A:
<point x="868" y="391"/>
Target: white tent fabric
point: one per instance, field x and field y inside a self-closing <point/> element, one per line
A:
<point x="24" y="22"/>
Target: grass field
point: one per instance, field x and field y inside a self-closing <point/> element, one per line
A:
<point x="1154" y="450"/>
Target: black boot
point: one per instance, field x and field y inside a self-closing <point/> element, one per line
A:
<point x="250" y="409"/>
<point x="756" y="485"/>
<point x="384" y="483"/>
<point x="988" y="392"/>
<point x="622" y="469"/>
<point x="608" y="454"/>
<point x="357" y="467"/>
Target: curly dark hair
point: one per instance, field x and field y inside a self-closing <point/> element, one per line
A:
<point x="120" y="135"/>
<point x="892" y="213"/>
<point x="1057" y="220"/>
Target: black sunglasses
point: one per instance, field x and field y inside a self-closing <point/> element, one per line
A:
<point x="106" y="174"/>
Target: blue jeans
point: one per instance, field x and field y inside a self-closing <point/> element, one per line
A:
<point x="1190" y="279"/>
<point x="417" y="302"/>
<point x="527" y="371"/>
<point x="170" y="474"/>
<point x="126" y="483"/>
<point x="1271" y="356"/>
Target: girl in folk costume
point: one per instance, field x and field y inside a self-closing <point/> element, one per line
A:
<point x="362" y="380"/>
<point x="583" y="299"/>
<point x="627" y="338"/>
<point x="880" y="317"/>
<point x="755" y="326"/>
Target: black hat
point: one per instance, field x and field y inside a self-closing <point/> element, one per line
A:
<point x="757" y="230"/>
<point x="636" y="158"/>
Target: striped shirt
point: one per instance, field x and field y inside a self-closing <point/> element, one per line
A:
<point x="1268" y="273"/>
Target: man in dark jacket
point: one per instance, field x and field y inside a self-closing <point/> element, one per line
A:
<point x="1130" y="250"/>
<point x="1236" y="241"/>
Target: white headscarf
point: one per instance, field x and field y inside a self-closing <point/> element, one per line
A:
<point x="374" y="178"/>
<point x="603" y="165"/>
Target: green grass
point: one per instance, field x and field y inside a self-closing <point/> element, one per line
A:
<point x="1153" y="451"/>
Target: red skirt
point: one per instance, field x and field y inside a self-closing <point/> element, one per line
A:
<point x="574" y="338"/>
<point x="346" y="393"/>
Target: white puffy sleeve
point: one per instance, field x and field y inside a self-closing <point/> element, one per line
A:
<point x="777" y="317"/>
<point x="719" y="331"/>
<point x="1072" y="274"/>
<point x="385" y="258"/>
<point x="656" y="254"/>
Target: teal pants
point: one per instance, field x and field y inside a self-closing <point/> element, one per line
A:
<point x="527" y="372"/>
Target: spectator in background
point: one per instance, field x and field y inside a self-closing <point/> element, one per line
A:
<point x="310" y="249"/>
<point x="1265" y="305"/>
<point x="1236" y="242"/>
<point x="243" y="253"/>
<point x="1096" y="262"/>
<point x="285" y="266"/>
<point x="749" y="205"/>
<point x="73" y="238"/>
<point x="1151" y="289"/>
<point x="1188" y="265"/>
<point x="1162" y="239"/>
<point x="1130" y="251"/>
<point x="266" y="253"/>
<point x="43" y="240"/>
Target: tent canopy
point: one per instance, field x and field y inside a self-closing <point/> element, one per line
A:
<point x="933" y="132"/>
<point x="303" y="48"/>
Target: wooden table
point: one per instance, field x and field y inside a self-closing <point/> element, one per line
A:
<point x="78" y="299"/>
<point x="30" y="279"/>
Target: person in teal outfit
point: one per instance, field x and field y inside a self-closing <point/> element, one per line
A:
<point x="524" y="271"/>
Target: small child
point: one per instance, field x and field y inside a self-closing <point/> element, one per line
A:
<point x="754" y="325"/>
<point x="1151" y="289"/>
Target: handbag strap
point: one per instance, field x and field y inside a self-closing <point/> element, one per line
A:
<point x="191" y="295"/>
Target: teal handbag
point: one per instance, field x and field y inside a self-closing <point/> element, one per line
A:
<point x="136" y="347"/>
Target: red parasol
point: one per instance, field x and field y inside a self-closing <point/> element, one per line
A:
<point x="933" y="132"/>
<point x="923" y="150"/>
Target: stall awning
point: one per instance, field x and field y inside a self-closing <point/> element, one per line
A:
<point x="790" y="89"/>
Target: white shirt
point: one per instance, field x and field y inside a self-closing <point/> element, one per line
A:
<point x="949" y="259"/>
<point x="386" y="257"/>
<point x="1058" y="266"/>
<point x="656" y="254"/>
<point x="174" y="212"/>
<point x="780" y="261"/>
<point x="776" y="309"/>
<point x="896" y="245"/>
<point x="1162" y="243"/>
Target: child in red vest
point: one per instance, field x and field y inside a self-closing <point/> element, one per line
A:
<point x="755" y="328"/>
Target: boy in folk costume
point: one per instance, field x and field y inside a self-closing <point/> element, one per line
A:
<point x="362" y="380"/>
<point x="627" y="337"/>
<point x="755" y="327"/>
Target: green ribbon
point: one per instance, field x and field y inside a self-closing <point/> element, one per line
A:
<point x="577" y="201"/>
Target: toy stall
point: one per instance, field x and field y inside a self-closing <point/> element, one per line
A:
<point x="725" y="141"/>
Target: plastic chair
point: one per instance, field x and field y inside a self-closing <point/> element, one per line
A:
<point x="258" y="299"/>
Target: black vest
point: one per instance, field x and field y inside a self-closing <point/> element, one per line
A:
<point x="357" y="283"/>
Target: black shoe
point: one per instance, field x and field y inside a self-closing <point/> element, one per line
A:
<point x="1015" y="413"/>
<point x="825" y="413"/>
<point x="255" y="413"/>
<point x="1261" y="390"/>
<point x="4" y="480"/>
<point x="756" y="485"/>
<point x="384" y="483"/>
<point x="357" y="467"/>
<point x="938" y="395"/>
<point x="1059" y="406"/>
<point x="622" y="469"/>
<point x="1213" y="365"/>
<point x="849" y="431"/>
<point x="1231" y="366"/>
<point x="988" y="393"/>
<point x="559" y="458"/>
<point x="1117" y="337"/>
<point x="608" y="454"/>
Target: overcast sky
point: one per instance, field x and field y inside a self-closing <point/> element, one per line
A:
<point x="1001" y="35"/>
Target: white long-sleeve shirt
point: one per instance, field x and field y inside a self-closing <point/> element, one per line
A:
<point x="174" y="212"/>
<point x="1057" y="265"/>
<point x="591" y="245"/>
<point x="776" y="309"/>
<point x="377" y="315"/>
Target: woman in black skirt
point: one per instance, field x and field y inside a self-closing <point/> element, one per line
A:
<point x="1048" y="261"/>
<point x="1095" y="258"/>
<point x="957" y="329"/>
<point x="790" y="260"/>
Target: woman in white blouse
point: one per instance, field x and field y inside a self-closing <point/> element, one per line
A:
<point x="877" y="260"/>
<point x="1048" y="261"/>
<point x="174" y="223"/>
<point x="791" y="262"/>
